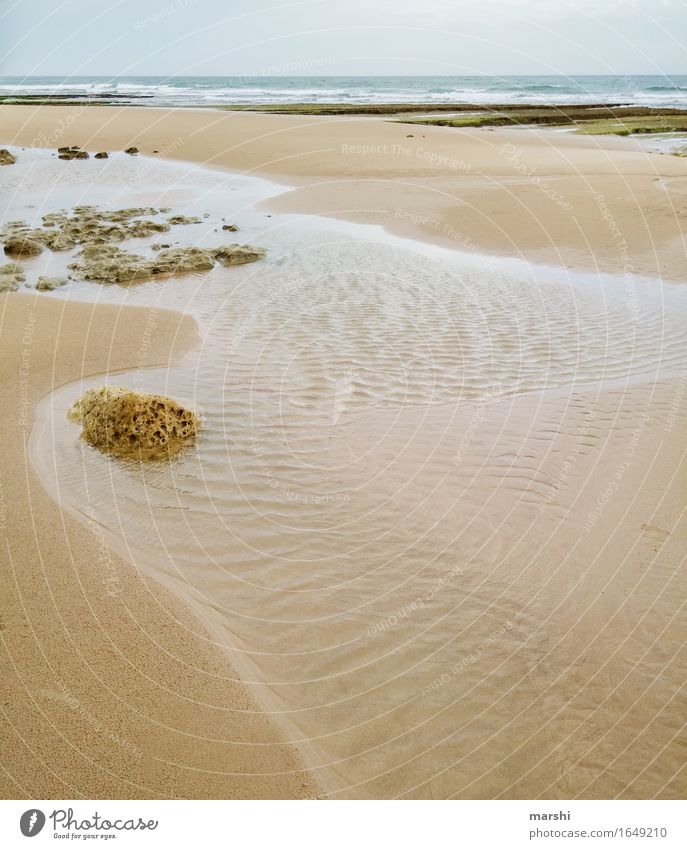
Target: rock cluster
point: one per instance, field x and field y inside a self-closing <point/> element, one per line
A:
<point x="86" y="226"/>
<point x="99" y="232"/>
<point x="125" y="423"/>
<point x="72" y="153"/>
<point x="110" y="264"/>
<point x="6" y="157"/>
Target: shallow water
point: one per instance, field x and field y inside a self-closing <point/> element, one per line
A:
<point x="389" y="519"/>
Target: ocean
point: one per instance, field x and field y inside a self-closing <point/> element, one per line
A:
<point x="242" y="90"/>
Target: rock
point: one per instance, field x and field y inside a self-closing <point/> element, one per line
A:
<point x="52" y="219"/>
<point x="102" y="155"/>
<point x="232" y="228"/>
<point x="121" y="215"/>
<point x="73" y="153"/>
<point x="125" y="423"/>
<point x="48" y="284"/>
<point x="21" y="246"/>
<point x="109" y="264"/>
<point x="7" y="158"/>
<point x="15" y="225"/>
<point x="61" y="242"/>
<point x="93" y="231"/>
<point x="184" y="219"/>
<point x="8" y="283"/>
<point x="165" y="209"/>
<point x="142" y="229"/>
<point x="158" y="246"/>
<point x="132" y="151"/>
<point x="238" y="254"/>
<point x="179" y="260"/>
<point x="13" y="269"/>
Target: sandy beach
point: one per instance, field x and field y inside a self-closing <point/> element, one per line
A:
<point x="111" y="689"/>
<point x="486" y="599"/>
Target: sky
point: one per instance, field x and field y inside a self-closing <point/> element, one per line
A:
<point x="330" y="37"/>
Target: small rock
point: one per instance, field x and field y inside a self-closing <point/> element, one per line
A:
<point x="48" y="284"/>
<point x="102" y="155"/>
<point x="132" y="151"/>
<point x="143" y="229"/>
<point x="13" y="269"/>
<point x="74" y="153"/>
<point x="7" y="158"/>
<point x="238" y="254"/>
<point x="184" y="219"/>
<point x="232" y="228"/>
<point x="8" y="283"/>
<point x="52" y="219"/>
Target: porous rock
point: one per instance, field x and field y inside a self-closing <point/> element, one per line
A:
<point x="125" y="423"/>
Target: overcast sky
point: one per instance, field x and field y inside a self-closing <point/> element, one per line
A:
<point x="326" y="37"/>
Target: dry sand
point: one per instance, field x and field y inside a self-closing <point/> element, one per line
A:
<point x="601" y="648"/>
<point x="110" y="686"/>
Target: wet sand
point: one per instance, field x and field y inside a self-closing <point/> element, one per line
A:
<point x="111" y="688"/>
<point x="438" y="521"/>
